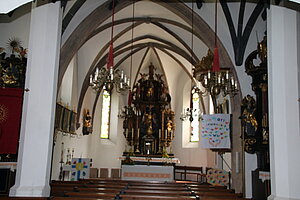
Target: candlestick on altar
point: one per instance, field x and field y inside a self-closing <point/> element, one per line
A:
<point x="159" y="134"/>
<point x="62" y="153"/>
<point x="132" y="135"/>
<point x="137" y="141"/>
<point x="61" y="162"/>
<point x="72" y="153"/>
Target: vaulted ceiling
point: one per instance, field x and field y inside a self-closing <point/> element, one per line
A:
<point x="169" y="35"/>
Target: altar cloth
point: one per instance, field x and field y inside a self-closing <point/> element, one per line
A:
<point x="148" y="173"/>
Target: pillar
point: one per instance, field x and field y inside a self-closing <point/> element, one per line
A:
<point x="283" y="103"/>
<point x="36" y="134"/>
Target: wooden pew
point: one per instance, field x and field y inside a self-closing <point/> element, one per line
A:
<point x="184" y="171"/>
<point x="107" y="189"/>
<point x="91" y="195"/>
<point x="78" y="198"/>
<point x="144" y="197"/>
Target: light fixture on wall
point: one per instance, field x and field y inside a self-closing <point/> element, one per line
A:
<point x="107" y="77"/>
<point x="192" y="113"/>
<point x="208" y="72"/>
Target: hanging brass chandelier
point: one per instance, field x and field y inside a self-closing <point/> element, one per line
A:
<point x="220" y="81"/>
<point x="208" y="72"/>
<point x="108" y="77"/>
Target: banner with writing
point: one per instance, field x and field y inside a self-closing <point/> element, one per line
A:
<point x="215" y="132"/>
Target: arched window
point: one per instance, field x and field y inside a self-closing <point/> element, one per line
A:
<point x="196" y="112"/>
<point x="105" y="114"/>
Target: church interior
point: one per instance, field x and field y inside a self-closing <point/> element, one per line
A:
<point x="202" y="93"/>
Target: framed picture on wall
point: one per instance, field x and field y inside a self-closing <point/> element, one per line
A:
<point x="73" y="122"/>
<point x="58" y="116"/>
<point x="66" y="120"/>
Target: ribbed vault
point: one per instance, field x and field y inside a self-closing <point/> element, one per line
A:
<point x="180" y="51"/>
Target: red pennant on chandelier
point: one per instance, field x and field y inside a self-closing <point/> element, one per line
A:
<point x="110" y="58"/>
<point x="216" y="62"/>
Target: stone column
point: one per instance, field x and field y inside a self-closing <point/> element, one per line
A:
<point x="36" y="135"/>
<point x="283" y="103"/>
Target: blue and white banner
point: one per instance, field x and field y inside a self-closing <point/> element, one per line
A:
<point x="80" y="169"/>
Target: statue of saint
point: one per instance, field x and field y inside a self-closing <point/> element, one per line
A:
<point x="87" y="123"/>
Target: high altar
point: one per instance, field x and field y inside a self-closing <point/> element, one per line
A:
<point x="149" y="127"/>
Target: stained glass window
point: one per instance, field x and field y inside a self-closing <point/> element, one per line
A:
<point x="195" y="124"/>
<point x="105" y="115"/>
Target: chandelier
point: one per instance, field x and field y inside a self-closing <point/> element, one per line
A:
<point x="209" y="74"/>
<point x="107" y="77"/>
<point x="215" y="81"/>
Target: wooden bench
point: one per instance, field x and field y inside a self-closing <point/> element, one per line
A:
<point x="184" y="171"/>
<point x="131" y="190"/>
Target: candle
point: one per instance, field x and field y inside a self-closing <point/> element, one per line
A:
<point x="128" y="81"/>
<point x="232" y="81"/>
<point x="91" y="79"/>
<point x="62" y="152"/>
<point x="208" y="75"/>
<point x="122" y="74"/>
<point x="132" y="133"/>
<point x="166" y="134"/>
<point x="111" y="73"/>
<point x="159" y="133"/>
<point x="227" y="75"/>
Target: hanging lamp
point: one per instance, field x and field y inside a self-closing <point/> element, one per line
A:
<point x="108" y="77"/>
<point x="214" y="79"/>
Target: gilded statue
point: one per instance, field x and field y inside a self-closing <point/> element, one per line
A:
<point x="249" y="111"/>
<point x="262" y="50"/>
<point x="148" y="122"/>
<point x="87" y="123"/>
<point x="150" y="92"/>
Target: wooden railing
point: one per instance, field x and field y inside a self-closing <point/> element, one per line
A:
<point x="188" y="172"/>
